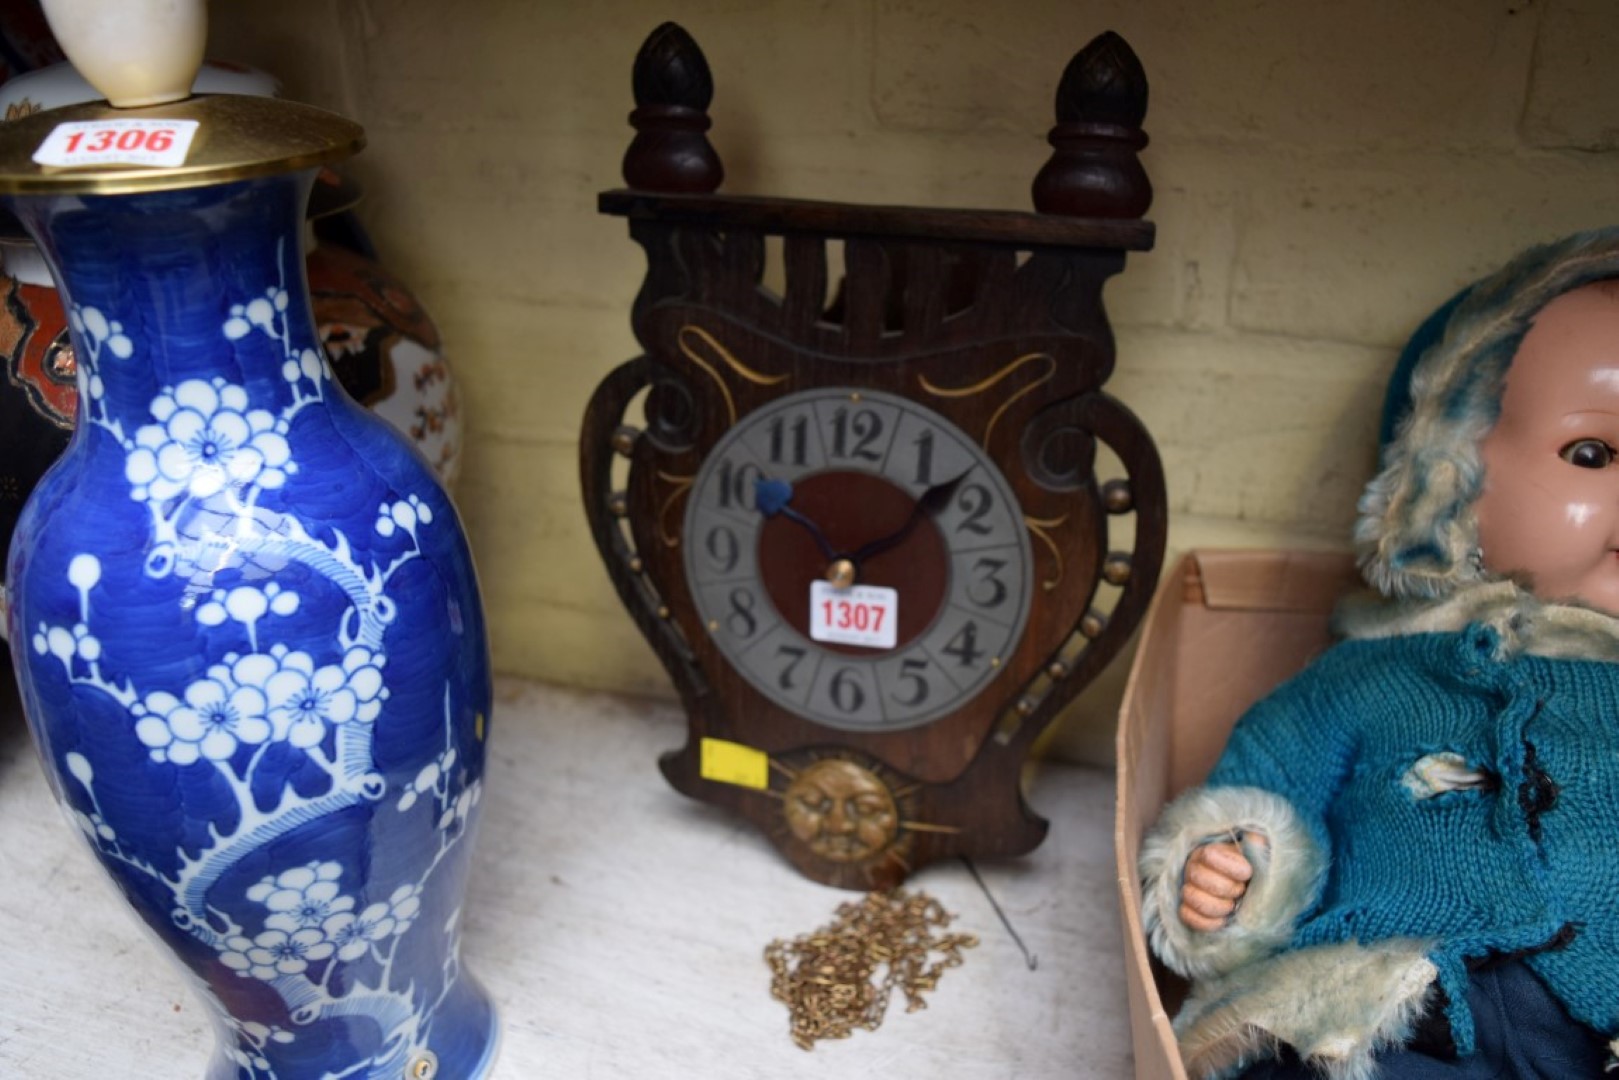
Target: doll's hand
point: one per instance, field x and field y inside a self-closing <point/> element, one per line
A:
<point x="1216" y="877"/>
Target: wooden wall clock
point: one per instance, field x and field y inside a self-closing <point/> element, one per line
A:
<point x="859" y="509"/>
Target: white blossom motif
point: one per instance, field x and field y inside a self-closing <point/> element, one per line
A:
<point x="67" y="644"/>
<point x="256" y="1035"/>
<point x="352" y="935"/>
<point x="246" y="604"/>
<point x="263" y="312"/>
<point x="302" y="898"/>
<point x="100" y="332"/>
<point x="311" y="920"/>
<point x="456" y="813"/>
<point x="404" y="515"/>
<point x="274" y="953"/>
<point x="93" y="825"/>
<point x="200" y="468"/>
<point x="268" y="314"/>
<point x="304" y="699"/>
<point x="403" y="906"/>
<point x="207" y="439"/>
<point x="215" y="717"/>
<point x="306" y="365"/>
<point x="434" y="779"/>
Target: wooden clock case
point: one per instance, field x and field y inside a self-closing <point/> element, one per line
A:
<point x="992" y="319"/>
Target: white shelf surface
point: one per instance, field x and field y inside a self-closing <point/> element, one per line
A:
<point x="619" y="926"/>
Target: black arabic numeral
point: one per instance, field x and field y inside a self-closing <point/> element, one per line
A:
<point x="736" y="483"/>
<point x="924" y="458"/>
<point x="846" y="691"/>
<point x="741" y="619"/>
<point x="866" y="427"/>
<point x="976" y="500"/>
<point x="964" y="646"/>
<point x="784" y="678"/>
<point x="988" y="570"/>
<point x="778" y="438"/>
<point x="911" y="670"/>
<point x="723" y="548"/>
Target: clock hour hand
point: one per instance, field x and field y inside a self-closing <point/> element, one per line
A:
<point x="772" y="496"/>
<point x="933" y="500"/>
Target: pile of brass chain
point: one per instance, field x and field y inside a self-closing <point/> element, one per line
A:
<point x="825" y="978"/>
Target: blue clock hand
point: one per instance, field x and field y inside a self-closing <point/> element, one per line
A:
<point x="772" y="496"/>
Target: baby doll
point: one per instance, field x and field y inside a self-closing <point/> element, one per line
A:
<point x="1406" y="862"/>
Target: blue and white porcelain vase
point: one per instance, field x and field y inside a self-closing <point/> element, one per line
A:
<point x="250" y="645"/>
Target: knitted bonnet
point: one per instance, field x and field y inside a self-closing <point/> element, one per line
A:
<point x="1417" y="535"/>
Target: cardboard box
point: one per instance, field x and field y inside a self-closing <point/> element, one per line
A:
<point x="1225" y="628"/>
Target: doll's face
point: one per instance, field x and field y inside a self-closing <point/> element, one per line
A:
<point x="1549" y="512"/>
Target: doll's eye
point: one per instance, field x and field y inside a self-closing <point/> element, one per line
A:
<point x="1588" y="454"/>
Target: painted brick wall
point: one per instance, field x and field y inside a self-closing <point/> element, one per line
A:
<point x="1326" y="174"/>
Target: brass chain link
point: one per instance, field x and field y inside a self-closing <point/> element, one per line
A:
<point x="825" y="977"/>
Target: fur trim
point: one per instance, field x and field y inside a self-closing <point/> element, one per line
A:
<point x="1288" y="876"/>
<point x="1522" y="623"/>
<point x="1336" y="1005"/>
<point x="1417" y="533"/>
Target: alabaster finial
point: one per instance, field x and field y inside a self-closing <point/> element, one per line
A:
<point x="135" y="52"/>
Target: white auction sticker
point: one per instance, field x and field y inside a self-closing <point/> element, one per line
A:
<point x="159" y="143"/>
<point x="859" y="615"/>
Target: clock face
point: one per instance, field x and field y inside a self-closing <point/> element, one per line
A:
<point x="924" y="520"/>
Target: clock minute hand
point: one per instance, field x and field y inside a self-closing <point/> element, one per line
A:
<point x="933" y="500"/>
<point x="772" y="496"/>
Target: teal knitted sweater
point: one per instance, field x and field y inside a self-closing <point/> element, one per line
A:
<point x="1465" y="793"/>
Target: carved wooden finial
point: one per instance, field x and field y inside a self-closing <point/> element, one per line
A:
<point x="673" y="88"/>
<point x="1094" y="170"/>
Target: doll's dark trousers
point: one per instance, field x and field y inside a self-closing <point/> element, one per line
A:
<point x="1521" y="1033"/>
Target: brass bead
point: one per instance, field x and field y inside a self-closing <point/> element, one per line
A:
<point x="618" y="504"/>
<point x="636" y="565"/>
<point x="663" y="612"/>
<point x="1117" y="497"/>
<point x="1026" y="706"/>
<point x="1093" y="624"/>
<point x="1116" y="570"/>
<point x="1057" y="669"/>
<point x="623" y="439"/>
<point x="841" y="574"/>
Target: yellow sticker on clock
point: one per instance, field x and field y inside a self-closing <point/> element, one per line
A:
<point x="733" y="763"/>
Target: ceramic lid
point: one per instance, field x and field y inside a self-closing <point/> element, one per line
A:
<point x="236" y="137"/>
